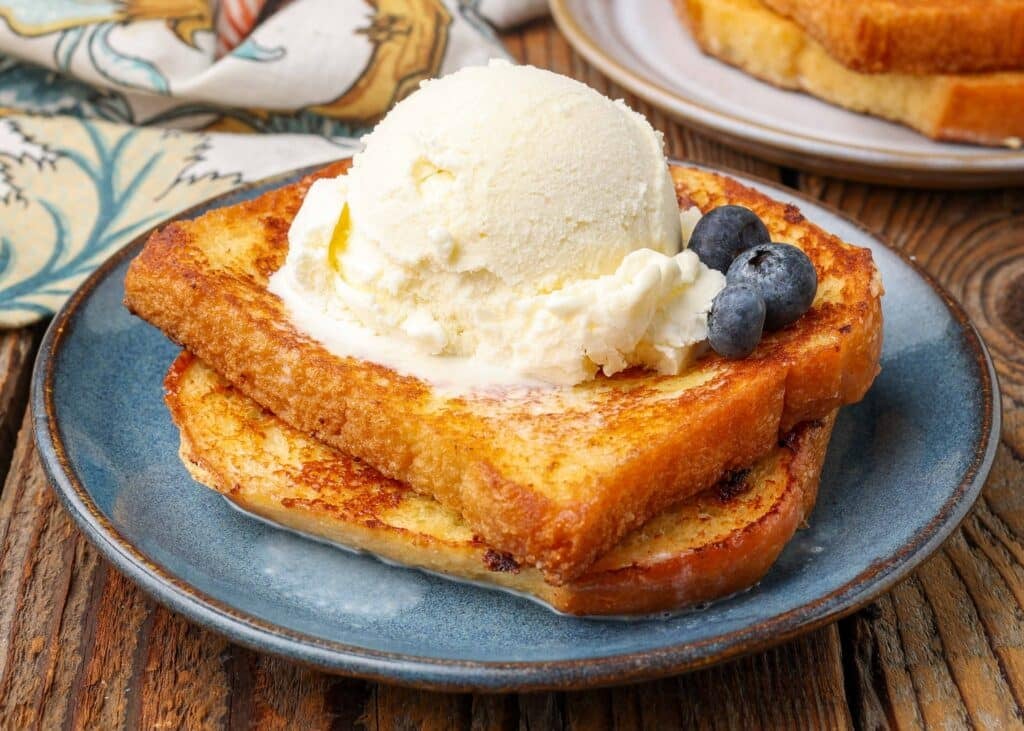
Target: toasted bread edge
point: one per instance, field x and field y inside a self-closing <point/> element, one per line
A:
<point x="660" y="582"/>
<point x="877" y="37"/>
<point x="983" y="108"/>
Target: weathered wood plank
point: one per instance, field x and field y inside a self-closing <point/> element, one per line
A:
<point x="497" y="712"/>
<point x="17" y="352"/>
<point x="179" y="679"/>
<point x="797" y="685"/>
<point x="37" y="548"/>
<point x="76" y="638"/>
<point x="392" y="708"/>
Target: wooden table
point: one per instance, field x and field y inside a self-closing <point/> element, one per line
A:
<point x="81" y="647"/>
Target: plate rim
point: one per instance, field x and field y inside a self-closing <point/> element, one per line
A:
<point x="493" y="676"/>
<point x="890" y="165"/>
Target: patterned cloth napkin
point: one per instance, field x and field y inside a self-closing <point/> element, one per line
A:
<point x="115" y="114"/>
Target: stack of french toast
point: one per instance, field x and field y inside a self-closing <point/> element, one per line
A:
<point x="628" y="494"/>
<point x="951" y="69"/>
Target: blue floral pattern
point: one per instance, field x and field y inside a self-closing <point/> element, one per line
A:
<point x="73" y="190"/>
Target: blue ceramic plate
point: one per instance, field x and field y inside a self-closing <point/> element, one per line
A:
<point x="904" y="467"/>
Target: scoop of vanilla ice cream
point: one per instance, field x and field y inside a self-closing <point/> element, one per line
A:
<point x="512" y="215"/>
<point x="523" y="177"/>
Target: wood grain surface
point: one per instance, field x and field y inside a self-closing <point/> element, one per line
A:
<point x="80" y="647"/>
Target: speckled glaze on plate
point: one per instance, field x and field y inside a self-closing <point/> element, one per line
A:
<point x="643" y="47"/>
<point x="903" y="468"/>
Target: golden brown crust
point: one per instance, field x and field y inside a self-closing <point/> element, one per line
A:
<point x="557" y="477"/>
<point x="715" y="544"/>
<point x="987" y="109"/>
<point x="915" y="36"/>
<point x="983" y="108"/>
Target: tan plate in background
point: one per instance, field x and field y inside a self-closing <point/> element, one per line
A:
<point x="642" y="46"/>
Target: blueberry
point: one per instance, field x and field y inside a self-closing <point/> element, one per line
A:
<point x="724" y="232"/>
<point x="736" y="321"/>
<point x="784" y="276"/>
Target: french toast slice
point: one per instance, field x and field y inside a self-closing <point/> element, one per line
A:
<point x="553" y="476"/>
<point x="983" y="108"/>
<point x="714" y="544"/>
<point x="915" y="36"/>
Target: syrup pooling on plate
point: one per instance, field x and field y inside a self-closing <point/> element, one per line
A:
<point x="391" y="598"/>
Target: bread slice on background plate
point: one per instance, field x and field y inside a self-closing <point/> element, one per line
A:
<point x="554" y="477"/>
<point x="717" y="543"/>
<point x="914" y="36"/>
<point x="984" y="108"/>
